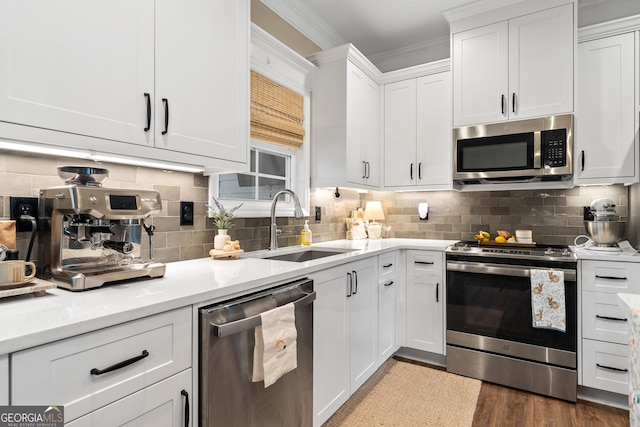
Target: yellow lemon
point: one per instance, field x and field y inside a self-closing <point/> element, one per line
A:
<point x="501" y="239"/>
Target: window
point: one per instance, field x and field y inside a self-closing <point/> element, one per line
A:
<point x="269" y="173"/>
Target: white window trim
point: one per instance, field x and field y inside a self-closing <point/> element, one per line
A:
<point x="274" y="60"/>
<point x="298" y="165"/>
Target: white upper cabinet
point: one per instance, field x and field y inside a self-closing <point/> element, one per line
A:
<point x="363" y="128"/>
<point x="201" y="77"/>
<point x="153" y="79"/>
<point x="514" y="69"/>
<point x="417" y="132"/>
<point x="78" y="67"/>
<point x="346" y="120"/>
<point x="606" y="139"/>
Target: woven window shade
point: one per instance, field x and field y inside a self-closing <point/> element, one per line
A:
<point x="276" y="112"/>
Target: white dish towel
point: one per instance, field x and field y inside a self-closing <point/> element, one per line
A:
<point x="547" y="300"/>
<point x="275" y="352"/>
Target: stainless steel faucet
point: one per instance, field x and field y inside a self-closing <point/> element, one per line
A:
<point x="274" y="227"/>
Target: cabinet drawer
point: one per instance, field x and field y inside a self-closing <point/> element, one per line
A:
<point x="386" y="265"/>
<point x="605" y="366"/>
<point x="65" y="372"/>
<point x="4" y="379"/>
<point x="602" y="318"/>
<point x="425" y="262"/>
<point x="160" y="405"/>
<point x="611" y="277"/>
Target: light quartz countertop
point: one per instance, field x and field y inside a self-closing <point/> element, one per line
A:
<point x="27" y="321"/>
<point x="603" y="255"/>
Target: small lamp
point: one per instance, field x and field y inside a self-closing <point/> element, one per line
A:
<point x="373" y="212"/>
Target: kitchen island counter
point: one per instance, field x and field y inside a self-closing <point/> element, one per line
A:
<point x="29" y="321"/>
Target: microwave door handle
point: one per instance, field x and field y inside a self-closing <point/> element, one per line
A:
<point x="537" y="150"/>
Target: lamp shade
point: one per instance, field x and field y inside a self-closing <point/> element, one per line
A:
<point x="373" y="211"/>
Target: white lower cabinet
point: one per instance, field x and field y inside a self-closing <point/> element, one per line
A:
<point x="345" y="338"/>
<point x="425" y="301"/>
<point x="387" y="285"/>
<point x="605" y="353"/>
<point x="4" y="379"/>
<point x="97" y="369"/>
<point x="164" y="404"/>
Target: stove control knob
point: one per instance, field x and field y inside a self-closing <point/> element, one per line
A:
<point x="550" y="252"/>
<point x="566" y="252"/>
<point x="466" y="247"/>
<point x="454" y="248"/>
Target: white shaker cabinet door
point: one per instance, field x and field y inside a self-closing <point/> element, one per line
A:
<point x="541" y="63"/>
<point x="400" y="133"/>
<point x="202" y="76"/>
<point x="78" y="66"/>
<point x="433" y="133"/>
<point x="4" y="379"/>
<point x="606" y="140"/>
<point x="480" y="74"/>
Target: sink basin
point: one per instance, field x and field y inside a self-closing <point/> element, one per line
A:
<point x="305" y="255"/>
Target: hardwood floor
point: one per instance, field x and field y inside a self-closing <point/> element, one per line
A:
<point x="500" y="406"/>
<point x="503" y="406"/>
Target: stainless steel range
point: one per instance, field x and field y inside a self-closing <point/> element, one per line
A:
<point x="490" y="332"/>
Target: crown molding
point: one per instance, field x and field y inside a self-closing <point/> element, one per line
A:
<point x="610" y="28"/>
<point x="476" y="8"/>
<point x="348" y="52"/>
<point x="305" y="20"/>
<point x="418" y="53"/>
<point x="416" y="71"/>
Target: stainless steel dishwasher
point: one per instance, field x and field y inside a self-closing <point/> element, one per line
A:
<point x="228" y="397"/>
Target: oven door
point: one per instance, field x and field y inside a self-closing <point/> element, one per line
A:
<point x="502" y="156"/>
<point x="494" y="300"/>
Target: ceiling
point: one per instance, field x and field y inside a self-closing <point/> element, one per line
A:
<point x="400" y="33"/>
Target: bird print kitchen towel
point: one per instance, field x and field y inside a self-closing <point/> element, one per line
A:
<point x="547" y="300"/>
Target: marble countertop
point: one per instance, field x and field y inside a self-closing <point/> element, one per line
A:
<point x="27" y="321"/>
<point x="604" y="255"/>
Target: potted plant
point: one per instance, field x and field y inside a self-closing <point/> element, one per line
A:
<point x="222" y="218"/>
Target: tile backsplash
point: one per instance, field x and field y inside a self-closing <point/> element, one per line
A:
<point x="554" y="216"/>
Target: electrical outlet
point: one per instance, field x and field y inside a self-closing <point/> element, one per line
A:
<point x="186" y="213"/>
<point x="318" y="213"/>
<point x="23" y="206"/>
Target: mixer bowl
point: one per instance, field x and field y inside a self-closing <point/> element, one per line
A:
<point x="605" y="233"/>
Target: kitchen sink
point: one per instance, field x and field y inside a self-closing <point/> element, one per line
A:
<point x="306" y="255"/>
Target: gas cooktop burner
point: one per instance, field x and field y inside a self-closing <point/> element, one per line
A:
<point x="547" y="252"/>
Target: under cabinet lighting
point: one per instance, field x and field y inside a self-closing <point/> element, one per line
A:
<point x="146" y="163"/>
<point x="44" y="149"/>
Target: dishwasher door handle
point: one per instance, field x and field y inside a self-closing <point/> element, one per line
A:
<point x="253" y="321"/>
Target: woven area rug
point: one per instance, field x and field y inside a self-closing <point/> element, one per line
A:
<point x="405" y="394"/>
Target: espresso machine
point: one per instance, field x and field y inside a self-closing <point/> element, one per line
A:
<point x="89" y="235"/>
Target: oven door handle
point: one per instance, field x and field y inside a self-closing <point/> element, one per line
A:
<point x="503" y="270"/>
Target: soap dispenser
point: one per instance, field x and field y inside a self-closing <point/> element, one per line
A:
<point x="305" y="235"/>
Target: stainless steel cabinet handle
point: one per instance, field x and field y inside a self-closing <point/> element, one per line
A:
<point x="120" y="365"/>
<point x="610" y="277"/>
<point x="253" y="321"/>
<point x="611" y="368"/>
<point x="186" y="407"/>
<point x="389" y="284"/>
<point x="355" y="277"/>
<point x="349" y="285"/>
<point x="165" y="101"/>
<point x="148" y="99"/>
<point x="618" y="319"/>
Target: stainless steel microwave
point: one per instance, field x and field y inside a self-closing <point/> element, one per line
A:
<point x="530" y="150"/>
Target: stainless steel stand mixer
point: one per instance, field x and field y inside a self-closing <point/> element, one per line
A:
<point x="90" y="235"/>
